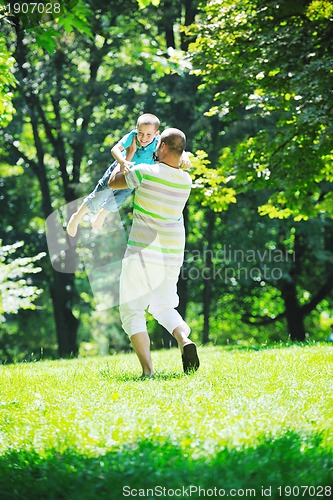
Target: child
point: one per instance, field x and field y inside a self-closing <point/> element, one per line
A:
<point x="138" y="146"/>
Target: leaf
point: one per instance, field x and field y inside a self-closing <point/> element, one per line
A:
<point x="145" y="3"/>
<point x="47" y="38"/>
<point x="7" y="170"/>
<point x="16" y="293"/>
<point x="75" y="20"/>
<point x="272" y="68"/>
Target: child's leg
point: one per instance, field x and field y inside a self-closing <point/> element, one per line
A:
<point x="114" y="200"/>
<point x="100" y="219"/>
<point x="103" y="182"/>
<point x="75" y="219"/>
<point x="92" y="203"/>
<point x="111" y="204"/>
<point x="96" y="199"/>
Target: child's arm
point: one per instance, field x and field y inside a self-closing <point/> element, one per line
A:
<point x="185" y="161"/>
<point x="124" y="162"/>
<point x="131" y="150"/>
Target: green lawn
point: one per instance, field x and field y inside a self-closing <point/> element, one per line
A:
<point x="247" y="420"/>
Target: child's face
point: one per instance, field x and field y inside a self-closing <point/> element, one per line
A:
<point x="146" y="134"/>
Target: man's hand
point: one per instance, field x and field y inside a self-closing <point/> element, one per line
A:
<point x="185" y="162"/>
<point x="117" y="179"/>
<point x="125" y="166"/>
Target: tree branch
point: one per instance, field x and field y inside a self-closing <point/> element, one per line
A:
<point x="246" y="318"/>
<point x="319" y="296"/>
<point x="20" y="154"/>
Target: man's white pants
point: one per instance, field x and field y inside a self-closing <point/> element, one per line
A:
<point x="144" y="284"/>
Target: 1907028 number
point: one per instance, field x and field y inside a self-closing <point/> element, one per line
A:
<point x="33" y="8"/>
<point x="301" y="491"/>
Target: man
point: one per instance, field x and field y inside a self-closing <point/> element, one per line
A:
<point x="155" y="250"/>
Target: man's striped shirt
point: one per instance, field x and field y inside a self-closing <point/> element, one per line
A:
<point x="161" y="193"/>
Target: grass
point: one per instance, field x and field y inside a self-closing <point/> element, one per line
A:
<point x="247" y="420"/>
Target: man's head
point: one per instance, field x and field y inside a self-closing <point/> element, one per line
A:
<point x="147" y="127"/>
<point x="171" y="146"/>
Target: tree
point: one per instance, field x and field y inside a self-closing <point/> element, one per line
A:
<point x="268" y="64"/>
<point x="273" y="61"/>
<point x="257" y="278"/>
<point x="7" y="81"/>
<point x="16" y="290"/>
<point x="286" y="269"/>
<point x="63" y="129"/>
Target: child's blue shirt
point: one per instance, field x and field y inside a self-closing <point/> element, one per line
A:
<point x="142" y="154"/>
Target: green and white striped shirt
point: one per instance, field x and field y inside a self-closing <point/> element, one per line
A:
<point x="161" y="193"/>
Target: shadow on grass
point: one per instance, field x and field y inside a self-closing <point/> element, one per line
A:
<point x="271" y="345"/>
<point x="110" y="374"/>
<point x="291" y="460"/>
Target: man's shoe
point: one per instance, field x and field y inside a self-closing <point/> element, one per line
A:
<point x="190" y="358"/>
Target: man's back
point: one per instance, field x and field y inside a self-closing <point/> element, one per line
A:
<point x="160" y="197"/>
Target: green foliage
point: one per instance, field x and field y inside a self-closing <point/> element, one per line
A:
<point x="77" y="19"/>
<point x="73" y="104"/>
<point x="272" y="62"/>
<point x="244" y="262"/>
<point x="16" y="292"/>
<point x="83" y="428"/>
<point x="209" y="184"/>
<point x="85" y="76"/>
<point x="7" y="82"/>
<point x="144" y="3"/>
<point x="74" y="17"/>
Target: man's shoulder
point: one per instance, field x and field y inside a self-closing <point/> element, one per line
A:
<point x="143" y="168"/>
<point x="163" y="170"/>
<point x="187" y="178"/>
<point x="174" y="171"/>
<point x="174" y="175"/>
<point x="186" y="174"/>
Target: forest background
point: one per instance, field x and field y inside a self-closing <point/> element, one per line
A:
<point x="250" y="83"/>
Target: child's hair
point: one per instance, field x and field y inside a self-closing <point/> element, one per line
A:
<point x="148" y="119"/>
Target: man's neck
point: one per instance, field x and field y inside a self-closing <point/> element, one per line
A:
<point x="170" y="165"/>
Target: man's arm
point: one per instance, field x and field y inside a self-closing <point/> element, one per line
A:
<point x="117" y="179"/>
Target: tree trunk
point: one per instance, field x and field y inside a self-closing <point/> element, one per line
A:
<point x="62" y="284"/>
<point x="293" y="313"/>
<point x="66" y="323"/>
<point x="207" y="290"/>
<point x="191" y="9"/>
